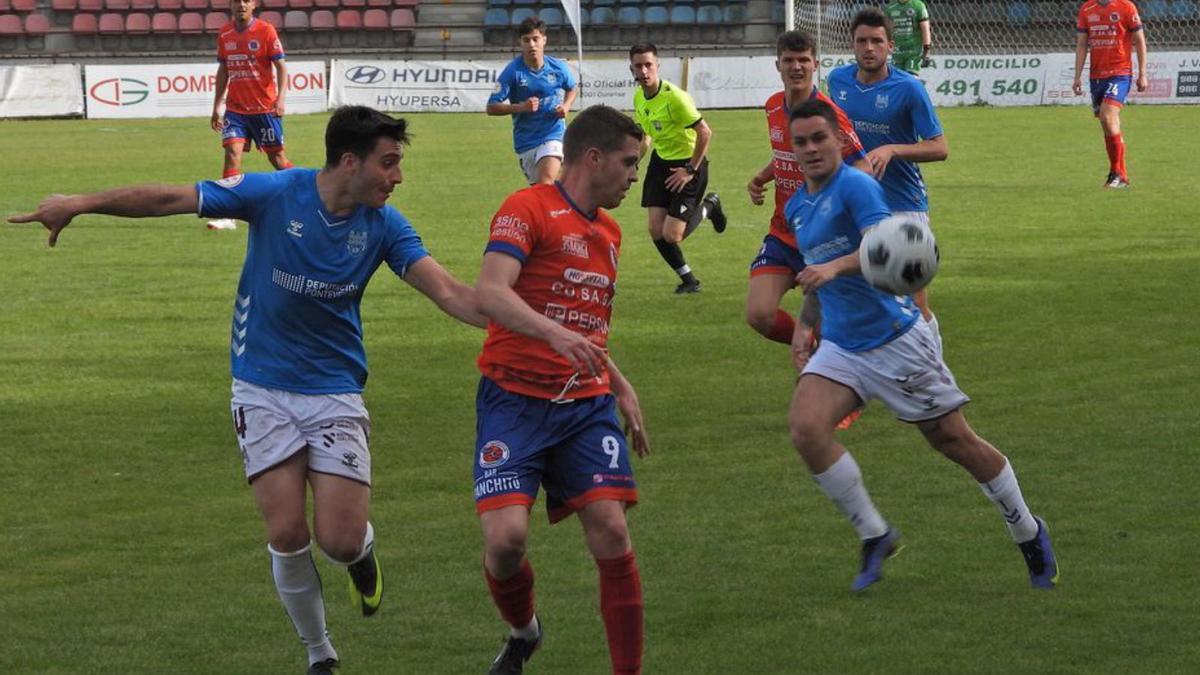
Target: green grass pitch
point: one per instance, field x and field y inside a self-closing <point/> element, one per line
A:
<point x="129" y="541"/>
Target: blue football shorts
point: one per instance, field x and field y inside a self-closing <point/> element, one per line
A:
<point x="265" y="130"/>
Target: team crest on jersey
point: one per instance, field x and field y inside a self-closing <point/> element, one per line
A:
<point x="825" y="208"/>
<point x="356" y="242"/>
<point x="552" y="78"/>
<point x="575" y="245"/>
<point x="881" y="101"/>
<point x="253" y="45"/>
<point x="296" y="229"/>
<point x="493" y="454"/>
<point x="909" y="11"/>
<point x="1114" y="17"/>
<point x="231" y="182"/>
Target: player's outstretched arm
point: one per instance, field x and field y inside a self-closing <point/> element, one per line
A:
<point x="630" y="407"/>
<point x="449" y="294"/>
<point x="500" y="303"/>
<point x="137" y="201"/>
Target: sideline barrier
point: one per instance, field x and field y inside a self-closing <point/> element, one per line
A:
<point x="41" y="91"/>
<point x="185" y="89"/>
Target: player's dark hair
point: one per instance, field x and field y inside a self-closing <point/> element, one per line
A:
<point x="642" y="48"/>
<point x="531" y="24"/>
<point x="795" y="41"/>
<point x="815" y="107"/>
<point x="872" y="17"/>
<point x="600" y="127"/>
<point x="356" y="128"/>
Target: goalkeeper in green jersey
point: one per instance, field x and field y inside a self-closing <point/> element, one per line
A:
<point x="911" y="33"/>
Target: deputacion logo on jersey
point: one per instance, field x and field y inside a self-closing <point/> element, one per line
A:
<point x="493" y="454"/>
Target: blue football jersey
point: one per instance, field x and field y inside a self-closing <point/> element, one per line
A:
<point x="517" y="84"/>
<point x="296" y="322"/>
<point x="896" y="109"/>
<point x="855" y="315"/>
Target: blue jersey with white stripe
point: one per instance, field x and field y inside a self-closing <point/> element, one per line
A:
<point x="296" y="323"/>
<point x="895" y="110"/>
<point x="829" y="224"/>
<point x="518" y="83"/>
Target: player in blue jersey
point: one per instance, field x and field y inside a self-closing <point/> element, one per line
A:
<point x="316" y="238"/>
<point x="537" y="90"/>
<point x="875" y="346"/>
<point x="895" y="121"/>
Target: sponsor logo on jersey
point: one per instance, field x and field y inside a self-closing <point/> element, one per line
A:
<point x="776" y="135"/>
<point x="229" y="46"/>
<point x="597" y="279"/>
<point x="356" y="242"/>
<point x="554" y="213"/>
<point x="493" y="454"/>
<point x="493" y="482"/>
<point x="232" y="181"/>
<point x="576" y="246"/>
<point x="296" y="229"/>
<point x="842" y="95"/>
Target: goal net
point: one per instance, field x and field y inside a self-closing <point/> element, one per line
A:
<point x="1000" y="26"/>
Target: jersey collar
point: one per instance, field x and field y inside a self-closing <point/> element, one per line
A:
<point x="248" y="25"/>
<point x="590" y="217"/>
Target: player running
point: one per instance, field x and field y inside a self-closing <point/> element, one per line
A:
<point x="252" y="83"/>
<point x="540" y="90"/>
<point x="895" y="121"/>
<point x="678" y="171"/>
<point x="773" y="270"/>
<point x="874" y="346"/>
<point x="914" y="37"/>
<point x="548" y="397"/>
<point x="1111" y="30"/>
<point x="316" y="238"/>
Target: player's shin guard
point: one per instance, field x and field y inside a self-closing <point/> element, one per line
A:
<point x="299" y="588"/>
<point x="782" y="329"/>
<point x="842" y="483"/>
<point x="1005" y="493"/>
<point x="513" y="596"/>
<point x="621" y="606"/>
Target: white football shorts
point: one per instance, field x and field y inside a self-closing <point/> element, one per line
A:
<point x="906" y="374"/>
<point x="530" y="158"/>
<point x="272" y="425"/>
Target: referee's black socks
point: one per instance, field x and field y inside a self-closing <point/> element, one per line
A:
<point x="674" y="257"/>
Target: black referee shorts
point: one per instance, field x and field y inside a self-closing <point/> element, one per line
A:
<point x="678" y="204"/>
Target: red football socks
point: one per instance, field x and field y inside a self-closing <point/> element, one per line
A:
<point x="621" y="606"/>
<point x="783" y="328"/>
<point x="513" y="596"/>
<point x="230" y="172"/>
<point x="1116" y="154"/>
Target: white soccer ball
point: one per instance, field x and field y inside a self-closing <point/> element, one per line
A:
<point x="899" y="255"/>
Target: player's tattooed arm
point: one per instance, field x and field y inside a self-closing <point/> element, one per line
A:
<point x="136" y="201"/>
<point x="804" y="334"/>
<point x="450" y="295"/>
<point x="630" y="407"/>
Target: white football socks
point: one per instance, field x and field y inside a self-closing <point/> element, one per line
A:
<point x="1005" y="493"/>
<point x="528" y="632"/>
<point x="299" y="588"/>
<point x="842" y="483"/>
<point x="368" y="543"/>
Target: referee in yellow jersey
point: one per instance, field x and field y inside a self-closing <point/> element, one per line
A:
<point x="678" y="171"/>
